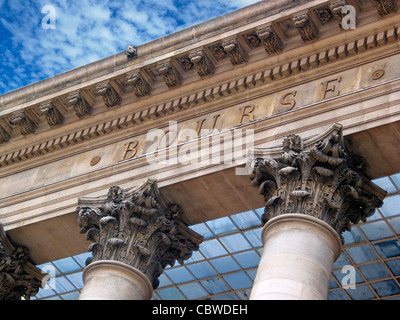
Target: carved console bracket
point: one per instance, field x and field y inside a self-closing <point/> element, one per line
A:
<point x="203" y="64"/>
<point x="137" y="227"/>
<point x="272" y="43"/>
<point x="139" y="84"/>
<point x="318" y="177"/>
<point x="385" y="7"/>
<point x="53" y="116"/>
<point x="306" y="27"/>
<point x="18" y="276"/>
<point x="25" y="124"/>
<point x="110" y="95"/>
<point x="4" y="134"/>
<point x="80" y="105"/>
<point x="172" y="77"/>
<point x="235" y="51"/>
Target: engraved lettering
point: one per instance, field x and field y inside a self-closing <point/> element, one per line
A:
<point x="327" y="88"/>
<point x="246" y="111"/>
<point x="130" y="147"/>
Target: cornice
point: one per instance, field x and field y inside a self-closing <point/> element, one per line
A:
<point x="203" y="61"/>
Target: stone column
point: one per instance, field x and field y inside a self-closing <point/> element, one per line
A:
<point x="136" y="233"/>
<point x="314" y="190"/>
<point x="19" y="277"/>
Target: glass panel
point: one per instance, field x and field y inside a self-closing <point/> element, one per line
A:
<point x="203" y="230"/>
<point x="164" y="281"/>
<point x="376" y="230"/>
<point x="395" y="223"/>
<point x="352" y="236"/>
<point x="254" y="236"/>
<point x="259" y="212"/>
<point x="193" y="290"/>
<point x="252" y="273"/>
<point x="348" y="273"/>
<point x="179" y="275"/>
<point x="239" y="280"/>
<point x="212" y="248"/>
<point x="341" y="261"/>
<point x="374" y="271"/>
<point x="202" y="270"/>
<point x="388" y="249"/>
<point x="362" y="253"/>
<point x="244" y="295"/>
<point x="67" y="265"/>
<point x="385" y="184"/>
<point x="215" y="285"/>
<point x="332" y="283"/>
<point x="396" y="179"/>
<point x="76" y="279"/>
<point x="248" y="259"/>
<point x="81" y="258"/>
<point x="391" y="206"/>
<point x="222" y="225"/>
<point x="337" y="295"/>
<point x="235" y="243"/>
<point x="361" y="292"/>
<point x="170" y="294"/>
<point x="45" y="292"/>
<point x="376" y="215"/>
<point x="386" y="288"/>
<point x="225" y="264"/>
<point x="229" y="296"/>
<point x="196" y="256"/>
<point x="394" y="266"/>
<point x="71" y="296"/>
<point x="246" y="220"/>
<point x="62" y="285"/>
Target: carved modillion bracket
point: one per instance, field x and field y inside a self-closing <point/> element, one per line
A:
<point x="235" y="51"/>
<point x="25" y="121"/>
<point x="270" y="39"/>
<point x="140" y="86"/>
<point x="171" y="74"/>
<point x="111" y="92"/>
<point x="204" y="66"/>
<point x="53" y="115"/>
<point x="81" y="105"/>
<point x="386" y="7"/>
<point x="5" y="131"/>
<point x="306" y="26"/>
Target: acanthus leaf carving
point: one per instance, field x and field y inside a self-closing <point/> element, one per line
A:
<point x="139" y="85"/>
<point x="138" y="228"/>
<point x="385" y="7"/>
<point x="203" y="65"/>
<point x="272" y="43"/>
<point x="110" y="96"/>
<point x="53" y="116"/>
<point x="306" y="27"/>
<point x="323" y="180"/>
<point x="171" y="75"/>
<point x="23" y="122"/>
<point x="235" y="51"/>
<point x="18" y="276"/>
<point x="79" y="104"/>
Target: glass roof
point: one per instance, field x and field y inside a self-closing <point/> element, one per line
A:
<point x="225" y="266"/>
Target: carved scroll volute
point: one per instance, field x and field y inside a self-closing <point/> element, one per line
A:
<point x="203" y="64"/>
<point x="25" y="124"/>
<point x="53" y="116"/>
<point x="18" y="275"/>
<point x="110" y="95"/>
<point x="172" y="77"/>
<point x="306" y="27"/>
<point x="80" y="105"/>
<point x="385" y="7"/>
<point x="139" y="84"/>
<point x="137" y="227"/>
<point x="319" y="178"/>
<point x="272" y="43"/>
<point x="235" y="51"/>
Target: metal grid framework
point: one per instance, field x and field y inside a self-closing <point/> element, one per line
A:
<point x="225" y="266"/>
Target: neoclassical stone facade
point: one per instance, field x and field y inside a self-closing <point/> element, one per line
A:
<point x="157" y="138"/>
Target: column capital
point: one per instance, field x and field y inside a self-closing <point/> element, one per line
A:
<point x="19" y="277"/>
<point x="138" y="227"/>
<point x="318" y="177"/>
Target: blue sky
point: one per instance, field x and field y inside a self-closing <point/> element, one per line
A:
<point x="86" y="31"/>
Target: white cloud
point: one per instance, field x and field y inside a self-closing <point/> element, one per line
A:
<point x="88" y="30"/>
